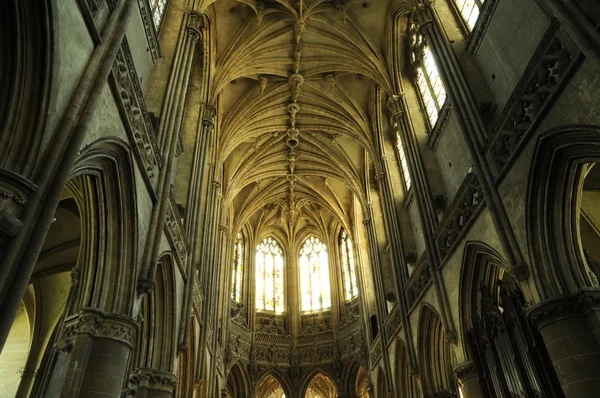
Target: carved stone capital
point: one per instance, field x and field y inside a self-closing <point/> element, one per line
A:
<point x="564" y="307"/>
<point x="14" y="194"/>
<point x="97" y="324"/>
<point x="194" y="33"/>
<point x="152" y="379"/>
<point x="465" y="371"/>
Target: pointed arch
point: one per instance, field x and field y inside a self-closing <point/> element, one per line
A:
<point x="104" y="180"/>
<point x="270" y="270"/>
<point x="436" y="357"/>
<point x="406" y="383"/>
<point x="272" y="382"/>
<point x="324" y="385"/>
<point x="237" y="382"/>
<point x="553" y="201"/>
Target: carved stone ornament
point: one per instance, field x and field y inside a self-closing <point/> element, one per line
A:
<point x="152" y="380"/>
<point x="465" y="371"/>
<point x="97" y="324"/>
<point x="14" y="191"/>
<point x="314" y="325"/>
<point x="565" y="307"/>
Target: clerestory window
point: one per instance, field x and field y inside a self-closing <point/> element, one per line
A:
<point x="349" y="271"/>
<point x="403" y="162"/>
<point x="237" y="275"/>
<point x="158" y="8"/>
<point x="314" y="275"/>
<point x="428" y="78"/>
<point x="469" y="11"/>
<point x="269" y="276"/>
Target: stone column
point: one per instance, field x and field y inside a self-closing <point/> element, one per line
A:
<point x="99" y="345"/>
<point x="570" y="328"/>
<point x="467" y="375"/>
<point x="150" y="383"/>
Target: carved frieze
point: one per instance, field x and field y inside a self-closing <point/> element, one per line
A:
<point x="97" y="324"/>
<point x="393" y="321"/>
<point x="149" y="29"/>
<point x="418" y="280"/>
<point x="175" y="233"/>
<point x="467" y="202"/>
<point x="564" y="307"/>
<point x="543" y="76"/>
<point x="132" y="107"/>
<point x="151" y="380"/>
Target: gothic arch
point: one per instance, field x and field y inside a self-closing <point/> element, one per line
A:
<point x="269" y="382"/>
<point x="381" y="390"/>
<point x="27" y="42"/>
<point x="186" y="368"/>
<point x="436" y="356"/>
<point x="237" y="382"/>
<point x="406" y="385"/>
<point x="553" y="199"/>
<point x="104" y="182"/>
<point x="323" y="377"/>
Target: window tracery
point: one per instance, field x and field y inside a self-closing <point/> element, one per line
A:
<point x="349" y="271"/>
<point x="314" y="275"/>
<point x="427" y="75"/>
<point x="269" y="276"/>
<point x="237" y="274"/>
<point x="158" y="11"/>
<point x="469" y="11"/>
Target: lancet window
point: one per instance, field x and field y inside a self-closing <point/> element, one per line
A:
<point x="469" y="11"/>
<point x="269" y="276"/>
<point x="237" y="275"/>
<point x="427" y="75"/>
<point x="403" y="162"/>
<point x="158" y="11"/>
<point x="349" y="271"/>
<point x="314" y="275"/>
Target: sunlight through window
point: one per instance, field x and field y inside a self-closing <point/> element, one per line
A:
<point x="269" y="276"/>
<point x="314" y="275"/>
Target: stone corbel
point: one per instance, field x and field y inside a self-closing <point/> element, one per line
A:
<point x="465" y="371"/>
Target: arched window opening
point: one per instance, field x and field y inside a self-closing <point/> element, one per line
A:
<point x="361" y="386"/>
<point x="158" y="11"/>
<point x="269" y="387"/>
<point x="349" y="271"/>
<point x="314" y="275"/>
<point x="589" y="218"/>
<point x="469" y="11"/>
<point x="427" y="76"/>
<point x="269" y="276"/>
<point x="321" y="386"/>
<point x="237" y="274"/>
<point x="403" y="161"/>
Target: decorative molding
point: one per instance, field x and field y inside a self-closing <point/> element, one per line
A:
<point x="418" y="280"/>
<point x="149" y="29"/>
<point x="14" y="193"/>
<point x="564" y="307"/>
<point x="463" y="210"/>
<point x="151" y="379"/>
<point x="375" y="351"/>
<point x="175" y="234"/>
<point x="465" y="371"/>
<point x="440" y="126"/>
<point x="393" y="322"/>
<point x="483" y="21"/>
<point x="97" y="324"/>
<point x="544" y="76"/>
<point x="135" y="117"/>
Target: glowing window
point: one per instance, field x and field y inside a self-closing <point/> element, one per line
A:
<point x="349" y="271"/>
<point x="314" y="275"/>
<point x="158" y="11"/>
<point x="403" y="162"/>
<point x="428" y="79"/>
<point x="237" y="273"/>
<point x="269" y="276"/>
<point x="469" y="11"/>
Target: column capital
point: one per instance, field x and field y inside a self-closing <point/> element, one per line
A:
<point x="152" y="379"/>
<point x="465" y="371"/>
<point x="97" y="324"/>
<point x="563" y="307"/>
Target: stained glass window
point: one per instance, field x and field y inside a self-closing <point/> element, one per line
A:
<point x="314" y="275"/>
<point x="469" y="11"/>
<point x="158" y="11"/>
<point x="403" y="162"/>
<point x="237" y="273"/>
<point x="428" y="79"/>
<point x="269" y="276"/>
<point x="349" y="271"/>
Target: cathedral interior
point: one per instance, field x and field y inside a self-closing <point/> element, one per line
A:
<point x="299" y="198"/>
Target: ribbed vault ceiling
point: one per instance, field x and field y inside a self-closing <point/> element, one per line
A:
<point x="295" y="82"/>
